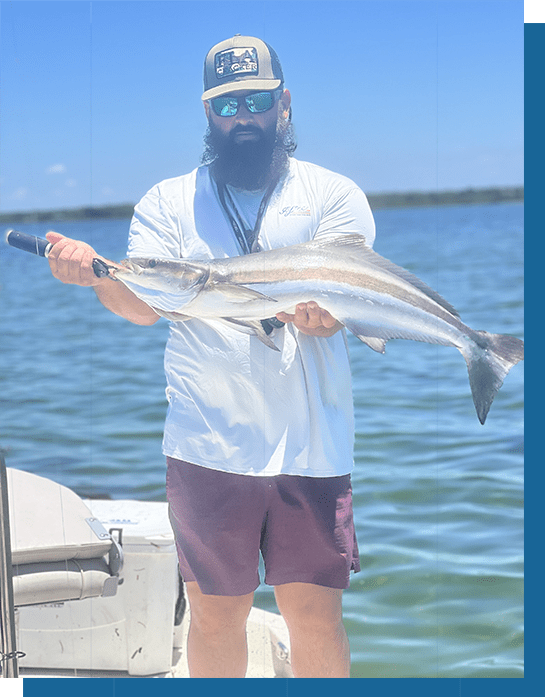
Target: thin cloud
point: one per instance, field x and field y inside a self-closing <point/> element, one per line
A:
<point x="56" y="169"/>
<point x="19" y="194"/>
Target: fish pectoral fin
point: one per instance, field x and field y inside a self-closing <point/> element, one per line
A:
<point x="252" y="327"/>
<point x="172" y="316"/>
<point x="374" y="342"/>
<point x="239" y="294"/>
<point x="378" y="345"/>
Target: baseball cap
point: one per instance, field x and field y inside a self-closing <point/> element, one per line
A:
<point x="241" y="63"/>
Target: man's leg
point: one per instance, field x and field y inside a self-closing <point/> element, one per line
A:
<point x="217" y="645"/>
<point x="319" y="645"/>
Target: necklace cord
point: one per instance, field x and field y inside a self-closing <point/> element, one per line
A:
<point x="248" y="237"/>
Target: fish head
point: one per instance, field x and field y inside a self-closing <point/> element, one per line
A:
<point x="168" y="275"/>
<point x="166" y="285"/>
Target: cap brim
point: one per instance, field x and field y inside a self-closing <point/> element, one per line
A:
<point x="241" y="85"/>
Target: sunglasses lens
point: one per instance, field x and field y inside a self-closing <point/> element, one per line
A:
<point x="225" y="106"/>
<point x="255" y="103"/>
<point x="262" y="101"/>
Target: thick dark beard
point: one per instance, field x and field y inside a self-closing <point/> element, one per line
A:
<point x="250" y="165"/>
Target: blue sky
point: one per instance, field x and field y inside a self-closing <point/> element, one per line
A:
<point x="101" y="100"/>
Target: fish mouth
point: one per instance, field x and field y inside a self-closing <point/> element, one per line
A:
<point x="127" y="265"/>
<point x="103" y="268"/>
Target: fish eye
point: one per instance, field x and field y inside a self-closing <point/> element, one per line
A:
<point x="152" y="263"/>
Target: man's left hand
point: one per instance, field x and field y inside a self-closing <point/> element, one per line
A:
<point x="311" y="319"/>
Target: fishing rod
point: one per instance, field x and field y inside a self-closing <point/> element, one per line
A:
<point x="41" y="247"/>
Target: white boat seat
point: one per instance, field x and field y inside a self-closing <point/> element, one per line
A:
<point x="58" y="548"/>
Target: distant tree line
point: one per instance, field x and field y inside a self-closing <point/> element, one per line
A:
<point x="410" y="199"/>
<point x="123" y="210"/>
<point x="459" y="197"/>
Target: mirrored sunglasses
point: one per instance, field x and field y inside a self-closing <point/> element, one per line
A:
<point x="256" y="103"/>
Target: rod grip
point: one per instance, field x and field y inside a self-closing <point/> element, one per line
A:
<point x="28" y="243"/>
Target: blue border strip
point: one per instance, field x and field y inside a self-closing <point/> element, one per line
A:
<point x="534" y="169"/>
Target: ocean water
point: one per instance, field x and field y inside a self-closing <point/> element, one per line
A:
<point x="438" y="497"/>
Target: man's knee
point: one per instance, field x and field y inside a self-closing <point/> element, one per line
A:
<point x="309" y="605"/>
<point x="216" y="613"/>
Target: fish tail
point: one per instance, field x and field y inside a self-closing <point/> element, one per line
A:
<point x="489" y="360"/>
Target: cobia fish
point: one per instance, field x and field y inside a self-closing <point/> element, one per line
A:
<point x="372" y="297"/>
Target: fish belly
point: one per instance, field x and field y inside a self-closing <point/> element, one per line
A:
<point x="364" y="312"/>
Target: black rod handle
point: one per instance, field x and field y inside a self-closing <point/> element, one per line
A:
<point x="28" y="243"/>
<point x="41" y="247"/>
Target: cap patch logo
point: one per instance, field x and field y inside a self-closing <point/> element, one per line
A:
<point x="236" y="61"/>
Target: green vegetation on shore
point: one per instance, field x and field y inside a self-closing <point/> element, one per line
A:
<point x="462" y="197"/>
<point x="410" y="199"/>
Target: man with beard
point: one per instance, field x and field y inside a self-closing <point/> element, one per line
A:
<point x="259" y="443"/>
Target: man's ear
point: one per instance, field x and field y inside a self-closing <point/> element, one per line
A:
<point x="207" y="109"/>
<point x="285" y="103"/>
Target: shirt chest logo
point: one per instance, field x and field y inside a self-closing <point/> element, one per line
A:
<point x="295" y="210"/>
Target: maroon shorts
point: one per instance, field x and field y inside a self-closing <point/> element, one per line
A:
<point x="302" y="525"/>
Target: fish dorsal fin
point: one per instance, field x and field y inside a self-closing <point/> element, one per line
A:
<point x="357" y="247"/>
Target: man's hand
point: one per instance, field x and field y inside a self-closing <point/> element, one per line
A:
<point x="311" y="319"/>
<point x="71" y="261"/>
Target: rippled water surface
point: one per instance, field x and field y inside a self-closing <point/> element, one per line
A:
<point x="438" y="497"/>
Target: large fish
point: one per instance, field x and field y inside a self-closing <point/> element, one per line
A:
<point x="375" y="299"/>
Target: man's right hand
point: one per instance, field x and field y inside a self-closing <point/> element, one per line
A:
<point x="71" y="261"/>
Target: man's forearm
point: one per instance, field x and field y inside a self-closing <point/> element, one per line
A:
<point x="121" y="301"/>
<point x="71" y="261"/>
